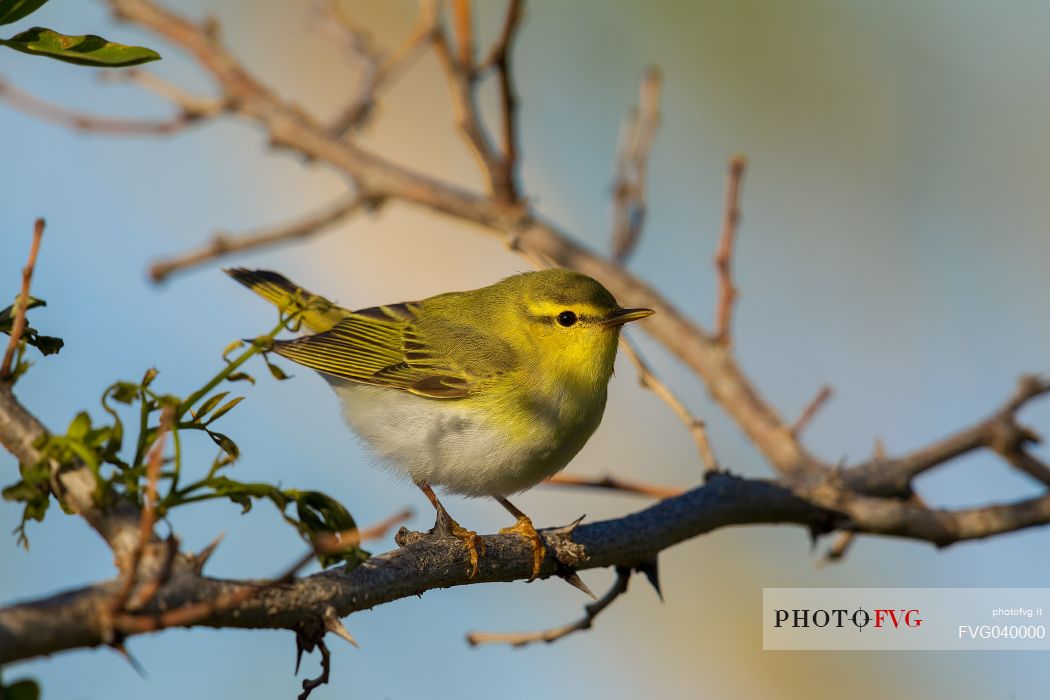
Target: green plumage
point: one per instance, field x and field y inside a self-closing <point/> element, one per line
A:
<point x="389" y="346"/>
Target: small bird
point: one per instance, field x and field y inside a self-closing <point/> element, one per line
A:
<point x="484" y="393"/>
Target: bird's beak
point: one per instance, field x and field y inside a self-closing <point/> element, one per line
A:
<point x="622" y="316"/>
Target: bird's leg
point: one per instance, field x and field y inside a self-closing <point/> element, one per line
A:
<point x="524" y="528"/>
<point x="446" y="526"/>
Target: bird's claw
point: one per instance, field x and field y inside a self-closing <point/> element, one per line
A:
<point x="446" y="526"/>
<point x="525" y="528"/>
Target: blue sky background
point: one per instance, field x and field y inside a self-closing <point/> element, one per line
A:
<point x="893" y="245"/>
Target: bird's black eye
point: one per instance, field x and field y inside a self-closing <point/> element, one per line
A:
<point x="566" y="318"/>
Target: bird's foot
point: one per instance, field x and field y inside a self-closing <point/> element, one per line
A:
<point x="524" y="528"/>
<point x="446" y="526"/>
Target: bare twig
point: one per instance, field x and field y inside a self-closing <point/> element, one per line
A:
<point x="499" y="50"/>
<point x="591" y="611"/>
<point x="72" y="119"/>
<point x="463" y="23"/>
<point x="727" y="292"/>
<point x="22" y="304"/>
<point x="310" y="684"/>
<point x="149" y="514"/>
<point x="149" y="589"/>
<point x="223" y="244"/>
<point x="811" y="410"/>
<point x="498" y="168"/>
<point x="839" y="547"/>
<point x="330" y="543"/>
<point x="500" y="59"/>
<point x="467" y="114"/>
<point x="650" y="381"/>
<point x="190" y="106"/>
<point x="632" y="156"/>
<point x="381" y="70"/>
<point x="615" y="483"/>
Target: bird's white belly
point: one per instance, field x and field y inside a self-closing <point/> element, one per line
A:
<point x="443" y="442"/>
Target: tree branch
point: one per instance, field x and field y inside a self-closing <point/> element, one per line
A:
<point x="1000" y="433"/>
<point x="71" y="620"/>
<point x="727" y="291"/>
<point x="20" y="430"/>
<point x="591" y="611"/>
<point x="811" y="409"/>
<point x="49" y="112"/>
<point x="224" y="244"/>
<point x="637" y="134"/>
<point x="615" y="483"/>
<point x="500" y="59"/>
<point x="650" y="381"/>
<point x="381" y="70"/>
<point x="22" y="303"/>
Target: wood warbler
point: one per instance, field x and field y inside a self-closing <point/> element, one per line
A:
<point x="484" y="393"/>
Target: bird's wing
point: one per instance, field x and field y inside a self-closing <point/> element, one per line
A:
<point x="386" y="346"/>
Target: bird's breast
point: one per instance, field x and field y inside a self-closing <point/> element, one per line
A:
<point x="496" y="444"/>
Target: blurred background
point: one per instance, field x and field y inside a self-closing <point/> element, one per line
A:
<point x="893" y="244"/>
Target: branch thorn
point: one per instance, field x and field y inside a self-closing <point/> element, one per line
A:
<point x="333" y="624"/>
<point x="652" y="575"/>
<point x="571" y="577"/>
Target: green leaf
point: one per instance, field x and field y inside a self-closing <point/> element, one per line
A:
<point x="210" y="404"/>
<point x="228" y="446"/>
<point x="7" y="316"/>
<point x="235" y="345"/>
<point x="241" y="377"/>
<point x="47" y="344"/>
<point x="23" y="689"/>
<point x="225" y="409"/>
<point x="124" y="392"/>
<point x="242" y="493"/>
<point x="85" y="50"/>
<point x="79" y="427"/>
<point x="35" y="498"/>
<point x="278" y="373"/>
<point x="149" y="376"/>
<point x="14" y="10"/>
<point x="35" y="492"/>
<point x="319" y="513"/>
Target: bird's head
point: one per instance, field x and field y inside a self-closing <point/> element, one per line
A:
<point x="570" y="322"/>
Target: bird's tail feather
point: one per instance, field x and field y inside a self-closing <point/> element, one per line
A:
<point x="320" y="314"/>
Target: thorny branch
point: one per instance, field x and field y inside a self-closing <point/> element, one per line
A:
<point x="70" y="620"/>
<point x="873" y="497"/>
<point x="194" y="613"/>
